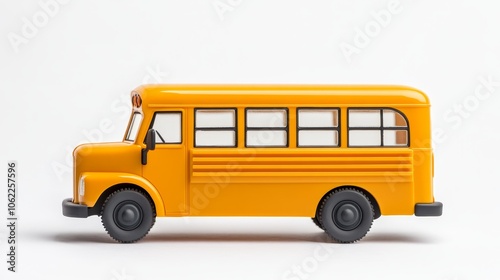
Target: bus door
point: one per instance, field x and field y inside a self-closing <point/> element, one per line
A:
<point x="166" y="165"/>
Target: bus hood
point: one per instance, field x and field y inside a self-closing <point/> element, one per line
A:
<point x="106" y="157"/>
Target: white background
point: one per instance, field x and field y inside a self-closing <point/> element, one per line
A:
<point x="67" y="81"/>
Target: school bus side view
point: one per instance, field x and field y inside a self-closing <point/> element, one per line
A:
<point x="342" y="155"/>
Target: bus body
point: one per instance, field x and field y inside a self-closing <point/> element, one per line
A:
<point x="262" y="150"/>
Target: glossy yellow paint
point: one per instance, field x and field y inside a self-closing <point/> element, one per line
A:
<point x="183" y="180"/>
<point x="97" y="182"/>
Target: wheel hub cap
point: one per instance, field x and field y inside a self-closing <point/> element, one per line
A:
<point x="128" y="215"/>
<point x="347" y="215"/>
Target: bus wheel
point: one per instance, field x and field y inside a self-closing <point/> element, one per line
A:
<point x="127" y="215"/>
<point x="317" y="222"/>
<point x="346" y="215"/>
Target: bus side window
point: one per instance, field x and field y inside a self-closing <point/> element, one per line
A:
<point x="215" y="128"/>
<point x="377" y="128"/>
<point x="168" y="127"/>
<point x="266" y="127"/>
<point x="317" y="127"/>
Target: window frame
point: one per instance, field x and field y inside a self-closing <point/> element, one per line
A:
<point x="167" y="112"/>
<point x="381" y="128"/>
<point x="129" y="127"/>
<point x="286" y="128"/>
<point x="234" y="128"/>
<point x="337" y="128"/>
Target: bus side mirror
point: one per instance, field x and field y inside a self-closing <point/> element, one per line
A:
<point x="150" y="145"/>
<point x="151" y="140"/>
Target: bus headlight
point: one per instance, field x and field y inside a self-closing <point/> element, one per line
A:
<point x="81" y="186"/>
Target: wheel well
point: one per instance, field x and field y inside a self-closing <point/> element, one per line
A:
<point x="376" y="207"/>
<point x="96" y="210"/>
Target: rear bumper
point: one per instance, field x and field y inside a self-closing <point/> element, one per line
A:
<point x="429" y="209"/>
<point x="74" y="210"/>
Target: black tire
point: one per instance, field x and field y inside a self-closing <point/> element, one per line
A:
<point x="316" y="222"/>
<point x="346" y="215"/>
<point x="127" y="215"/>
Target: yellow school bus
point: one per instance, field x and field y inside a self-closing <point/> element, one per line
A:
<point x="341" y="155"/>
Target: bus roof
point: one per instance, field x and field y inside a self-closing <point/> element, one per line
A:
<point x="280" y="95"/>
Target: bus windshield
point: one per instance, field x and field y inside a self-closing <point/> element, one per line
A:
<point x="135" y="123"/>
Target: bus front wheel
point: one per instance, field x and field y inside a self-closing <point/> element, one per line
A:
<point x="127" y="215"/>
<point x="346" y="215"/>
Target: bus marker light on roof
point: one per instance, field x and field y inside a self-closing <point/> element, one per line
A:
<point x="136" y="100"/>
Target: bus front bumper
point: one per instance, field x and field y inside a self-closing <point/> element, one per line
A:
<point x="74" y="210"/>
<point x="429" y="209"/>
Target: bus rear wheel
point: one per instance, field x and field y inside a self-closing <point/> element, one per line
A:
<point x="317" y="222"/>
<point x="346" y="215"/>
<point x="127" y="215"/>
